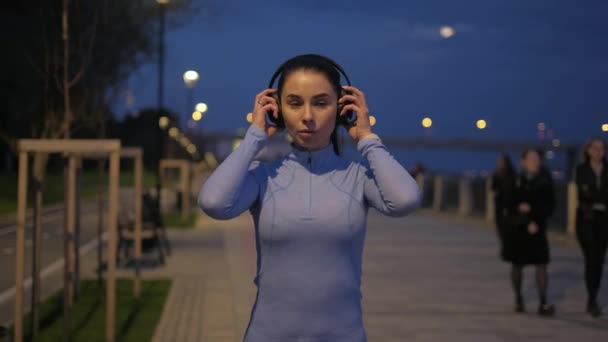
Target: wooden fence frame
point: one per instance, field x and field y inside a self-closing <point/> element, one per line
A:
<point x="72" y="148"/>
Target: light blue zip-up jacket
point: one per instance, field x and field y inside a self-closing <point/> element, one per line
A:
<point x="310" y="211"/>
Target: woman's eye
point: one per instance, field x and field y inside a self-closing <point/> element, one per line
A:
<point x="294" y="104"/>
<point x="322" y="103"/>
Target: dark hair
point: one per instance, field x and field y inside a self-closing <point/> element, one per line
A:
<point x="323" y="66"/>
<point x="585" y="153"/>
<point x="507" y="169"/>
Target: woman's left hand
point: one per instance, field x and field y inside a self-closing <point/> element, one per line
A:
<point x="532" y="228"/>
<point x="356" y="102"/>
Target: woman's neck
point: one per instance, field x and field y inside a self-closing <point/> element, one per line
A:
<point x="309" y="149"/>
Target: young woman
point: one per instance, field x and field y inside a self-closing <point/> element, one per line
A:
<point x="503" y="185"/>
<point x="533" y="203"/>
<point x="310" y="207"/>
<point x="592" y="217"/>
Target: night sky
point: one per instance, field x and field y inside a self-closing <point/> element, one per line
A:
<point x="514" y="63"/>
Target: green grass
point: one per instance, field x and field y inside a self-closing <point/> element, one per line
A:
<point x="53" y="187"/>
<point x="136" y="320"/>
<point x="175" y="220"/>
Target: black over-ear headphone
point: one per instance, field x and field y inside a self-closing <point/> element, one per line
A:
<point x="347" y="119"/>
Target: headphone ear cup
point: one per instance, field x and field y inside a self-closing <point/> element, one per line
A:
<point x="349" y="118"/>
<point x="279" y="122"/>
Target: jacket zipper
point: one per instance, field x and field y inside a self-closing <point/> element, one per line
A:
<point x="309" y="185"/>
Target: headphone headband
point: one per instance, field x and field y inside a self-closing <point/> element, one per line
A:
<point x="326" y="59"/>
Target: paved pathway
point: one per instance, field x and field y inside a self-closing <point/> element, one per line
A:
<point x="426" y="278"/>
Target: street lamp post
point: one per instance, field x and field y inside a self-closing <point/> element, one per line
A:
<point x="190" y="78"/>
<point x="161" y="80"/>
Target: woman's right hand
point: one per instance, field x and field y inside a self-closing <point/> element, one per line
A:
<point x="264" y="103"/>
<point x="532" y="228"/>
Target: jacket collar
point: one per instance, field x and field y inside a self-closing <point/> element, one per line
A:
<point x="314" y="160"/>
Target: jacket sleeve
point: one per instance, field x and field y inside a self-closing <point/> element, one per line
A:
<point x="545" y="204"/>
<point x="583" y="188"/>
<point x="388" y="187"/>
<point x="233" y="188"/>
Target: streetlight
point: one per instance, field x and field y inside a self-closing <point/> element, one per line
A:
<point x="446" y="32"/>
<point x="427" y="122"/>
<point x="201" y="107"/>
<point x="190" y="78"/>
<point x="541" y="126"/>
<point x="605" y="127"/>
<point x="163" y="122"/>
<point x="161" y="80"/>
<point x="197" y="116"/>
<point x="482" y="124"/>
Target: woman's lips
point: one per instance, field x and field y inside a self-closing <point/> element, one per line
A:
<point x="306" y="133"/>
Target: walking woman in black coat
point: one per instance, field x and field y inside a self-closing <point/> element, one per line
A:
<point x="533" y="203"/>
<point x="592" y="217"/>
<point x="503" y="184"/>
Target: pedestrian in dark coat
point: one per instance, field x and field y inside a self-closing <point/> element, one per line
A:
<point x="592" y="218"/>
<point x="503" y="185"/>
<point x="532" y="205"/>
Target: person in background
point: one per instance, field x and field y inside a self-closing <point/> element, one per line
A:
<point x="592" y="217"/>
<point x="503" y="185"/>
<point x="533" y="203"/>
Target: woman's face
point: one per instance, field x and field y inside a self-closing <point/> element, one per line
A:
<point x="596" y="150"/>
<point x="309" y="105"/>
<point x="501" y="164"/>
<point x="531" y="162"/>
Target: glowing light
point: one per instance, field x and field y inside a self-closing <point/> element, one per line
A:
<point x="249" y="117"/>
<point x="605" y="127"/>
<point x="556" y="143"/>
<point x="173" y="132"/>
<point x="427" y="122"/>
<point x="184" y="141"/>
<point x="201" y="107"/>
<point x="163" y="122"/>
<point x="190" y="78"/>
<point x="197" y="116"/>
<point x="550" y="154"/>
<point x="372" y="120"/>
<point x="541" y="126"/>
<point x="446" y="32"/>
<point x="163" y="2"/>
<point x="481" y="124"/>
<point x="191" y="148"/>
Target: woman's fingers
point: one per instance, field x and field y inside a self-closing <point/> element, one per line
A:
<point x="262" y="98"/>
<point x="348" y="107"/>
<point x="354" y="90"/>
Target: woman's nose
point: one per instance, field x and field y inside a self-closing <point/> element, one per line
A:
<point x="307" y="113"/>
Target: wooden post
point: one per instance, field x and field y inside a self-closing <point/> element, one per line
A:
<point x="572" y="206"/>
<point x="69" y="233"/>
<point x="20" y="244"/>
<point x="465" y="197"/>
<point x="100" y="208"/>
<point x="77" y="220"/>
<point x="68" y="246"/>
<point x="138" y="223"/>
<point x="112" y="227"/>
